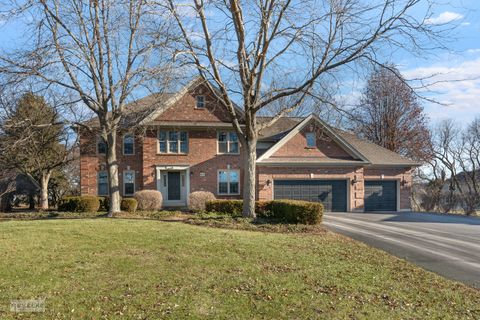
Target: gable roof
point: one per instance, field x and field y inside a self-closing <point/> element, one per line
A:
<point x="331" y="133"/>
<point x="365" y="151"/>
<point x="177" y="96"/>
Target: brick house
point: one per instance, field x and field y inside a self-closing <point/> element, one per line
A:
<point x="188" y="144"/>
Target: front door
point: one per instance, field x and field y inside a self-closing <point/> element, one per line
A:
<point x="173" y="186"/>
<point x="174" y="189"/>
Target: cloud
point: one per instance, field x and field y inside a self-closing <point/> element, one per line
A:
<point x="444" y="17"/>
<point x="455" y="86"/>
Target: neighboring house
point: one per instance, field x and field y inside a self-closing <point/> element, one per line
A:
<point x="188" y="144"/>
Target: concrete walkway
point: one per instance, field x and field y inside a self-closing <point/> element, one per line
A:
<point x="445" y="244"/>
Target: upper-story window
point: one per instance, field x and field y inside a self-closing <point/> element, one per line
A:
<point x="101" y="146"/>
<point x="311" y="143"/>
<point x="200" y="102"/>
<point x="227" y="142"/>
<point x="128" y="144"/>
<point x="173" y="141"/>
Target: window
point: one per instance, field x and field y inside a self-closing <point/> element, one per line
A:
<point x="228" y="182"/>
<point x="227" y="142"/>
<point x="311" y="143"/>
<point x="102" y="181"/>
<point x="128" y="183"/>
<point x="128" y="144"/>
<point x="101" y="146"/>
<point x="200" y="102"/>
<point x="173" y="142"/>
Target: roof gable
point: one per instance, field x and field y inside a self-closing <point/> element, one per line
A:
<point x="181" y="107"/>
<point x="326" y="129"/>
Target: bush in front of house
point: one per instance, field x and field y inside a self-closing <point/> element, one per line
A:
<point x="104" y="203"/>
<point x="300" y="212"/>
<point x="230" y="207"/>
<point x="79" y="204"/>
<point x="129" y="205"/>
<point x="287" y="211"/>
<point x="149" y="200"/>
<point x="263" y="209"/>
<point x="197" y="200"/>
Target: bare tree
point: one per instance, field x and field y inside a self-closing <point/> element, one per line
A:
<point x="267" y="52"/>
<point x="102" y="51"/>
<point x="389" y="115"/>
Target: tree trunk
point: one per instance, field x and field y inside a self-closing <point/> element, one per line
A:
<point x="31" y="201"/>
<point x="250" y="158"/>
<point x="45" y="178"/>
<point x="112" y="164"/>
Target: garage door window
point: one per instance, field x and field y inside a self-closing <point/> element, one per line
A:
<point x="228" y="182"/>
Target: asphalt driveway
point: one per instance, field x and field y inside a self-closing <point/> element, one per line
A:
<point x="447" y="245"/>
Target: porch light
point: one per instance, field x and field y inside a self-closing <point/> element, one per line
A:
<point x="269" y="182"/>
<point x="354" y="180"/>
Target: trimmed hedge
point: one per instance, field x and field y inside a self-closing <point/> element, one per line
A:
<point x="79" y="204"/>
<point x="104" y="203"/>
<point x="287" y="211"/>
<point x="294" y="211"/>
<point x="129" y="205"/>
<point x="231" y="207"/>
<point x="149" y="200"/>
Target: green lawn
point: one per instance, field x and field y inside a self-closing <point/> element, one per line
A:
<point x="137" y="269"/>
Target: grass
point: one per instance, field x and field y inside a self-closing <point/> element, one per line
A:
<point x="142" y="269"/>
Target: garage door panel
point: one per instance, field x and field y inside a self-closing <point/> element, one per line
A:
<point x="332" y="193"/>
<point x="380" y="195"/>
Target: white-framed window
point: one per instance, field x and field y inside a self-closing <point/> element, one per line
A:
<point x="311" y="140"/>
<point x="101" y="146"/>
<point x="102" y="183"/>
<point x="172" y="141"/>
<point x="200" y="102"/>
<point x="128" y="183"/>
<point x="227" y="142"/>
<point x="128" y="144"/>
<point x="228" y="182"/>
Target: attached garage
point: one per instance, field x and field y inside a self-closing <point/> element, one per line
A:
<point x="380" y="195"/>
<point x="332" y="193"/>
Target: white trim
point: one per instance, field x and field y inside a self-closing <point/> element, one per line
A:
<point x="166" y="168"/>
<point x="123" y="144"/>
<point x="228" y="143"/>
<point x="123" y="182"/>
<point x="345" y="145"/>
<point x="228" y="182"/>
<point x="167" y="141"/>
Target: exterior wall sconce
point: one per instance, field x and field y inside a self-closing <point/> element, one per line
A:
<point x="354" y="180"/>
<point x="269" y="182"/>
<point x="403" y="182"/>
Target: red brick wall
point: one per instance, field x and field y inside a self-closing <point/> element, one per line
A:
<point x="185" y="109"/>
<point x="326" y="147"/>
<point x="91" y="163"/>
<point x="202" y="157"/>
